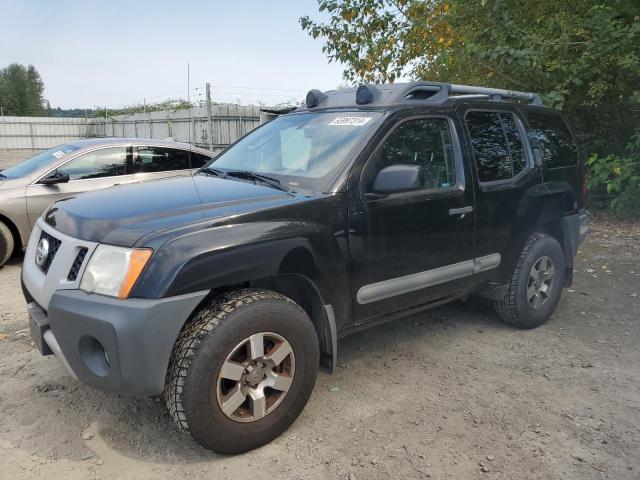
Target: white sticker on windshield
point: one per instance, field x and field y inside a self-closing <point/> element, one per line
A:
<point x="350" y="121"/>
<point x="58" y="154"/>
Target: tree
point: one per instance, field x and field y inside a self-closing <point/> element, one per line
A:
<point x="582" y="55"/>
<point x="21" y="90"/>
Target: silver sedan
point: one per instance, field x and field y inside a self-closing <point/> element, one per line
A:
<point x="28" y="188"/>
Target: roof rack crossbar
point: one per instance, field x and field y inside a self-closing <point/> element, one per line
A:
<point x="499" y="93"/>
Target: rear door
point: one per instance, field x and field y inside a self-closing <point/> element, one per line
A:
<point x="94" y="170"/>
<point x="504" y="173"/>
<point x="415" y="247"/>
<point x="152" y="162"/>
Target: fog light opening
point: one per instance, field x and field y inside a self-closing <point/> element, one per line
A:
<point x="94" y="355"/>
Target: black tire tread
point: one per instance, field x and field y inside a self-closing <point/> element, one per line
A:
<point x="507" y="308"/>
<point x="206" y="320"/>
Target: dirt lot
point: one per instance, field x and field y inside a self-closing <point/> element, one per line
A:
<point x="452" y="393"/>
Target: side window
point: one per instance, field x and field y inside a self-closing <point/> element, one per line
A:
<point x="198" y="160"/>
<point x="159" y="159"/>
<point x="550" y="133"/>
<point x="497" y="145"/>
<point x="426" y="142"/>
<point x="107" y="162"/>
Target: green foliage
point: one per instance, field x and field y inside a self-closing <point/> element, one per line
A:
<point x="581" y="55"/>
<point x="166" y="105"/>
<point x="614" y="180"/>
<point x="21" y="90"/>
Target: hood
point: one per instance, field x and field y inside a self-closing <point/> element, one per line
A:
<point x="123" y="214"/>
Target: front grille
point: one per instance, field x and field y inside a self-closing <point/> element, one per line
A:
<point x="77" y="263"/>
<point x="54" y="244"/>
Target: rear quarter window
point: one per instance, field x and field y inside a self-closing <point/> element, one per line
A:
<point x="550" y="133"/>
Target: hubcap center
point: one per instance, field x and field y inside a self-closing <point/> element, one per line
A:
<point x="254" y="374"/>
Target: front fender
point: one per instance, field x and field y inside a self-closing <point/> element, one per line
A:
<point x="236" y="254"/>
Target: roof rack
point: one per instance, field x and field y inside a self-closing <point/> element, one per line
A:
<point x="437" y="92"/>
<point x="420" y="91"/>
<point x="496" y="93"/>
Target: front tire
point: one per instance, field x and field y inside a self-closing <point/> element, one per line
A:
<point x="242" y="370"/>
<point x="7" y="243"/>
<point x="536" y="284"/>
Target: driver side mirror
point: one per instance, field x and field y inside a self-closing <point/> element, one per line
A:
<point x="398" y="178"/>
<point x="55" y="178"/>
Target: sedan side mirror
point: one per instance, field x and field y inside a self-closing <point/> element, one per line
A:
<point x="55" y="178"/>
<point x="398" y="178"/>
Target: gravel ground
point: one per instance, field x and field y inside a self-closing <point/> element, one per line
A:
<point x="451" y="393"/>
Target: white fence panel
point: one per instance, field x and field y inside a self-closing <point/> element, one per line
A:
<point x="229" y="123"/>
<point x="18" y="133"/>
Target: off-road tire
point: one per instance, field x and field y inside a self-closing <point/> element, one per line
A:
<point x="200" y="350"/>
<point x="515" y="308"/>
<point x="6" y="243"/>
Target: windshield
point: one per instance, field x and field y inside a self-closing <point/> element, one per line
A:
<point x="303" y="150"/>
<point x="42" y="159"/>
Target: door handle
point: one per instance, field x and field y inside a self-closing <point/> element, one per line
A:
<point x="461" y="210"/>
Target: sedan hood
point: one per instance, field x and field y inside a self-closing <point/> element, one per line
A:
<point x="122" y="215"/>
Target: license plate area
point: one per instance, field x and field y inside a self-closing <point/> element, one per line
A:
<point x="38" y="324"/>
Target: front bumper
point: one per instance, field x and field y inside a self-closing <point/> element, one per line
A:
<point x="111" y="344"/>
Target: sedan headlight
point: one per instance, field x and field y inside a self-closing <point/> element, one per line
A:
<point x="114" y="270"/>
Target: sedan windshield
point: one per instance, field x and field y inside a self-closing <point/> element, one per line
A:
<point x="305" y="150"/>
<point x="42" y="159"/>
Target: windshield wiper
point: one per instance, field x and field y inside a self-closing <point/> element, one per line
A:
<point x="213" y="171"/>
<point x="246" y="174"/>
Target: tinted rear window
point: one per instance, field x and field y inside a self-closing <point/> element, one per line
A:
<point x="551" y="134"/>
<point x="497" y="145"/>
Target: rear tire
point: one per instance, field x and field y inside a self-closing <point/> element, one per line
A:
<point x="7" y="243"/>
<point x="536" y="284"/>
<point x="242" y="370"/>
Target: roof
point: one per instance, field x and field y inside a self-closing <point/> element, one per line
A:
<point x="104" y="141"/>
<point x="419" y="92"/>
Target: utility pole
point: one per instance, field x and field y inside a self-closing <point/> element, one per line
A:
<point x="209" y="118"/>
<point x="189" y="102"/>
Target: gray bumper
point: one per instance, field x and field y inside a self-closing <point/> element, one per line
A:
<point x="117" y="345"/>
<point x="575" y="230"/>
<point x="584" y="226"/>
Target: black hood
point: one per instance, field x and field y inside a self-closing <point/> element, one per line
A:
<point x="121" y="215"/>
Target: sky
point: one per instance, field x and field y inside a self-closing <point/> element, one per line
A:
<point x="116" y="53"/>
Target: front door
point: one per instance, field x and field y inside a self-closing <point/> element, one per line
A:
<point x="90" y="171"/>
<point x="414" y="247"/>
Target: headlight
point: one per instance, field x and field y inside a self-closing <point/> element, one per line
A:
<point x="114" y="270"/>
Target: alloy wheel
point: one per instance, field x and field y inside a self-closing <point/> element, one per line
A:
<point x="255" y="377"/>
<point x="540" y="282"/>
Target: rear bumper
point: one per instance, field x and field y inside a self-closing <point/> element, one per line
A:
<point x="575" y="228"/>
<point x="115" y="345"/>
<point x="584" y="226"/>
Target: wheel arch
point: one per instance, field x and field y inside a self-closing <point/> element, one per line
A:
<point x="540" y="211"/>
<point x="302" y="290"/>
<point x="15" y="232"/>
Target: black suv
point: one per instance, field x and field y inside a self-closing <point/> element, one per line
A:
<point x="225" y="291"/>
